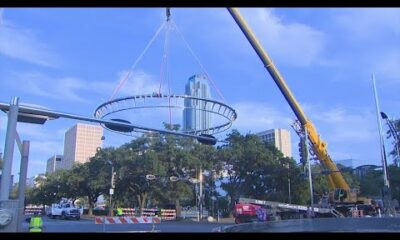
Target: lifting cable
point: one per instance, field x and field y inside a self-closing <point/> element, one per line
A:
<point x="122" y="82"/>
<point x="164" y="71"/>
<point x="198" y="61"/>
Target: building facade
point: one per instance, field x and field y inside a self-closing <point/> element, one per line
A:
<point x="280" y="138"/>
<point x="80" y="144"/>
<point x="195" y="115"/>
<point x="54" y="163"/>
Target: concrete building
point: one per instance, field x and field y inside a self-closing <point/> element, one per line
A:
<point x="80" y="144"/>
<point x="280" y="138"/>
<point x="54" y="163"/>
<point x="194" y="115"/>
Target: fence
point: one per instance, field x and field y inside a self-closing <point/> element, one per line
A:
<point x="193" y="213"/>
<point x="168" y="214"/>
<point x="31" y="210"/>
<point x="149" y="212"/>
<point x="129" y="211"/>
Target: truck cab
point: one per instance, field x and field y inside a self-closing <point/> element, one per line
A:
<point x="64" y="211"/>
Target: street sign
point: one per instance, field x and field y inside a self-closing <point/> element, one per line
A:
<point x="111" y="191"/>
<point x="173" y="179"/>
<point x="150" y="177"/>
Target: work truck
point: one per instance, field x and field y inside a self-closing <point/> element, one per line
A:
<point x="64" y="210"/>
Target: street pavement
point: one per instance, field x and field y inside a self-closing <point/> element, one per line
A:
<point x="86" y="224"/>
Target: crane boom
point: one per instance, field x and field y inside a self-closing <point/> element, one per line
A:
<point x="335" y="178"/>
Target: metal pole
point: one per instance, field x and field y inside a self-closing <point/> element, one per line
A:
<point x="201" y="194"/>
<point x="309" y="173"/>
<point x="290" y="197"/>
<point x="112" y="178"/>
<point x="55" y="114"/>
<point x="383" y="155"/>
<point x="9" y="149"/>
<point x="22" y="184"/>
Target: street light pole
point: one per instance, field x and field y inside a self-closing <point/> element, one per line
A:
<point x="9" y="149"/>
<point x="111" y="188"/>
<point x="201" y="194"/>
<point x="309" y="172"/>
<point x="290" y="197"/>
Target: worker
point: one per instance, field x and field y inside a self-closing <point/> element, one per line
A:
<point x="120" y="213"/>
<point x="36" y="223"/>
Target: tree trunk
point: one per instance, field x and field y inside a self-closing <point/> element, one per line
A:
<point x="177" y="208"/>
<point x="231" y="205"/>
<point x="90" y="213"/>
<point x="142" y="200"/>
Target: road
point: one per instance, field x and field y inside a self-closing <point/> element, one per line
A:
<point x="88" y="225"/>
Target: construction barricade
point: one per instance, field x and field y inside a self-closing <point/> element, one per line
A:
<point x="31" y="210"/>
<point x="128" y="211"/>
<point x="168" y="214"/>
<point x="149" y="212"/>
<point x="126" y="220"/>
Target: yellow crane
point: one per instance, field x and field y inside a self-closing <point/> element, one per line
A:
<point x="341" y="192"/>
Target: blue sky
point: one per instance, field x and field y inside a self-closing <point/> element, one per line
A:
<point x="71" y="60"/>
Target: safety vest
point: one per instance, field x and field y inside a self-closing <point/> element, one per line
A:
<point x="36" y="224"/>
<point x="119" y="212"/>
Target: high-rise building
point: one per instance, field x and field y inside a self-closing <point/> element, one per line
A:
<point x="80" y="144"/>
<point x="54" y="163"/>
<point x="195" y="115"/>
<point x="280" y="138"/>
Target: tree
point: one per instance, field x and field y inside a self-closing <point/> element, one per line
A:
<point x="254" y="169"/>
<point x="94" y="177"/>
<point x="394" y="130"/>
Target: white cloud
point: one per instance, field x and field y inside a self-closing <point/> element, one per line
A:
<point x="75" y="89"/>
<point x="21" y="43"/>
<point x="296" y="44"/>
<point x="139" y="82"/>
<point x="345" y="125"/>
<point x="369" y="22"/>
<point x="389" y="65"/>
<point x="367" y="41"/>
<point x="55" y="88"/>
<point x="258" y="116"/>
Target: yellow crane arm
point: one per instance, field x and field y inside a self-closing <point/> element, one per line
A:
<point x="335" y="178"/>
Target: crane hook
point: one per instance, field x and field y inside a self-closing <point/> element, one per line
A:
<point x="168" y="13"/>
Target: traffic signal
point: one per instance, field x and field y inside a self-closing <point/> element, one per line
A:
<point x="303" y="151"/>
<point x="113" y="179"/>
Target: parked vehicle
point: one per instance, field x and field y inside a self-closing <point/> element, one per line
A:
<point x="64" y="210"/>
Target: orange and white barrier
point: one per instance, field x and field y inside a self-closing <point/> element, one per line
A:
<point x="32" y="210"/>
<point x="126" y="220"/>
<point x="149" y="212"/>
<point x="168" y="214"/>
<point x="128" y="211"/>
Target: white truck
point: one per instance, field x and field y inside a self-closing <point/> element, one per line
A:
<point x="64" y="210"/>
